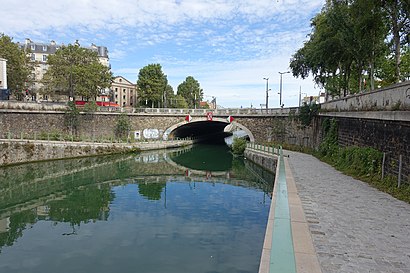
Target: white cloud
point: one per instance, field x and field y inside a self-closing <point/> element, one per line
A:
<point x="228" y="45"/>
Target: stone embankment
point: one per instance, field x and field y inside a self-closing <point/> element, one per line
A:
<point x="264" y="159"/>
<point x="21" y="151"/>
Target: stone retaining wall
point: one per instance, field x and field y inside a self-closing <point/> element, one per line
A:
<point x="395" y="97"/>
<point x="264" y="159"/>
<point x="21" y="151"/>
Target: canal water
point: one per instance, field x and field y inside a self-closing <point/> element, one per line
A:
<point x="197" y="209"/>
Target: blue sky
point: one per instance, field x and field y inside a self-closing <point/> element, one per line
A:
<point x="229" y="46"/>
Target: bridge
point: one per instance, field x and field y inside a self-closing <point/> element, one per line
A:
<point x="379" y="119"/>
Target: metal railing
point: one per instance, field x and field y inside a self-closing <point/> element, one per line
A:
<point x="266" y="149"/>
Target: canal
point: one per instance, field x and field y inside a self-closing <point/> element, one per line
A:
<point x="197" y="209"/>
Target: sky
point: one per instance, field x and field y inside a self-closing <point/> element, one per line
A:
<point x="228" y="46"/>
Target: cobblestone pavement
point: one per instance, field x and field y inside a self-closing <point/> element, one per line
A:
<point x="355" y="228"/>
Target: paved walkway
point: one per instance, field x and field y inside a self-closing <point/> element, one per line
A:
<point x="355" y="228"/>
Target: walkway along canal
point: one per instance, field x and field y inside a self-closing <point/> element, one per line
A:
<point x="337" y="223"/>
<point x="288" y="244"/>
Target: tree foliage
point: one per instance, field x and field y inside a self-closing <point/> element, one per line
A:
<point x="76" y="71"/>
<point x="71" y="118"/>
<point x="152" y="85"/>
<point x="122" y="127"/>
<point x="238" y="146"/>
<point x="346" y="51"/>
<point x="191" y="91"/>
<point x="307" y="113"/>
<point x="19" y="67"/>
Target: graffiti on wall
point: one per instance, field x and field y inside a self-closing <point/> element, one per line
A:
<point x="151" y="133"/>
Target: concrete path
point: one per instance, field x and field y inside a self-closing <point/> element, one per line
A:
<point x="355" y="228"/>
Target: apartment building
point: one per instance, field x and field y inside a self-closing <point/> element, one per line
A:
<point x="39" y="53"/>
<point x="124" y="93"/>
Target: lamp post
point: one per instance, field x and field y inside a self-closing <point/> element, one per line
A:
<point x="280" y="90"/>
<point x="267" y="90"/>
<point x="214" y="102"/>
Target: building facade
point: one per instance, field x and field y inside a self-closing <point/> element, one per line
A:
<point x="124" y="93"/>
<point x="39" y="53"/>
<point x="3" y="73"/>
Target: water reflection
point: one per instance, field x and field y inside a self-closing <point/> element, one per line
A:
<point x="205" y="157"/>
<point x="81" y="196"/>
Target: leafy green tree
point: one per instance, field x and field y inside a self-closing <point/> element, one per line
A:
<point x="152" y="85"/>
<point x="307" y="113"/>
<point x="71" y="118"/>
<point x="169" y="95"/>
<point x="191" y="91"/>
<point x="177" y="101"/>
<point x="123" y="126"/>
<point x="398" y="15"/>
<point x="346" y="40"/>
<point x="76" y="71"/>
<point x="19" y="67"/>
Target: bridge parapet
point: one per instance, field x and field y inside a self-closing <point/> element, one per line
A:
<point x="219" y="112"/>
<point x="55" y="106"/>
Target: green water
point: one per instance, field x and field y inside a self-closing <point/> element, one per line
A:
<point x="193" y="210"/>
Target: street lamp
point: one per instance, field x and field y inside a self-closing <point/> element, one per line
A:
<point x="267" y="90"/>
<point x="214" y="102"/>
<point x="280" y="91"/>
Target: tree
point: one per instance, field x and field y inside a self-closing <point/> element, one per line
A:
<point x="177" y="101"/>
<point x="191" y="91"/>
<point x="71" y="117"/>
<point x="346" y="40"/>
<point x="122" y="127"/>
<point x="152" y="85"/>
<point x="19" y="67"/>
<point x="399" y="24"/>
<point x="76" y="71"/>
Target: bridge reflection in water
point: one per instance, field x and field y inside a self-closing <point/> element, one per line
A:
<point x="73" y="194"/>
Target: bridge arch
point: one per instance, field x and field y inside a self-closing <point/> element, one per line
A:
<point x="228" y="128"/>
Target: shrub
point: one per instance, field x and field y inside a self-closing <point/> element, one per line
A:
<point x="238" y="146"/>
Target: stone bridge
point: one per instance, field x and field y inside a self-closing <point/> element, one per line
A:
<point x="147" y="124"/>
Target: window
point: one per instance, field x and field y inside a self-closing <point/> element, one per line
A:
<point x="33" y="47"/>
<point x="116" y="89"/>
<point x="116" y="96"/>
<point x="33" y="56"/>
<point x="131" y="91"/>
<point x="123" y="97"/>
<point x="123" y="90"/>
<point x="44" y="48"/>
<point x="44" y="58"/>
